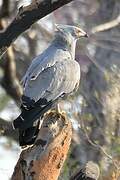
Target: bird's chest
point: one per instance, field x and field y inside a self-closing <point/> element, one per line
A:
<point x="72" y="71"/>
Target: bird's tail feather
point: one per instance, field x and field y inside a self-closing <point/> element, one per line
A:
<point x="28" y="136"/>
<point x="28" y="117"/>
<point x="28" y="122"/>
<point x="29" y="126"/>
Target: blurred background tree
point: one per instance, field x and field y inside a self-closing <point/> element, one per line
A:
<point x="94" y="108"/>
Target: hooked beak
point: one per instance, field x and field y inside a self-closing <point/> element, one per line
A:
<point x="81" y="33"/>
<point x="86" y="35"/>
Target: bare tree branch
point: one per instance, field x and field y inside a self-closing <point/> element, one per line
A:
<point x="25" y="18"/>
<point x="5" y="9"/>
<point x="106" y="26"/>
<point x="13" y="134"/>
<point x="10" y="81"/>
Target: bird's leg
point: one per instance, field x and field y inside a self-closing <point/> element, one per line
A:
<point x="58" y="110"/>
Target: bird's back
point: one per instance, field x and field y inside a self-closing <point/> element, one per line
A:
<point x="54" y="66"/>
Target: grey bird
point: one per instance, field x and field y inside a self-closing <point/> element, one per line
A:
<point x="51" y="75"/>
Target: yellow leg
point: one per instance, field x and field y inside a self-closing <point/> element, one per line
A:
<point x="58" y="110"/>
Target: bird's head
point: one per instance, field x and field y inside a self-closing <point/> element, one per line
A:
<point x="70" y="31"/>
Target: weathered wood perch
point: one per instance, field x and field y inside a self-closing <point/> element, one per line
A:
<point x="44" y="160"/>
<point x="27" y="16"/>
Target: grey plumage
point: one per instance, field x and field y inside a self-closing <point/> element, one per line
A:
<point x="54" y="75"/>
<point x="50" y="75"/>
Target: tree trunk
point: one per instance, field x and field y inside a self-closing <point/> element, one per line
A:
<point x="44" y="160"/>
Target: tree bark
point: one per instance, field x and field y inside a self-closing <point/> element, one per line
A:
<point x="44" y="160"/>
<point x="26" y="17"/>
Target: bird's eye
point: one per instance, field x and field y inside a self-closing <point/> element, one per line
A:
<point x="78" y="31"/>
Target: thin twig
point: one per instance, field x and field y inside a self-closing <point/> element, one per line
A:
<point x="106" y="26"/>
